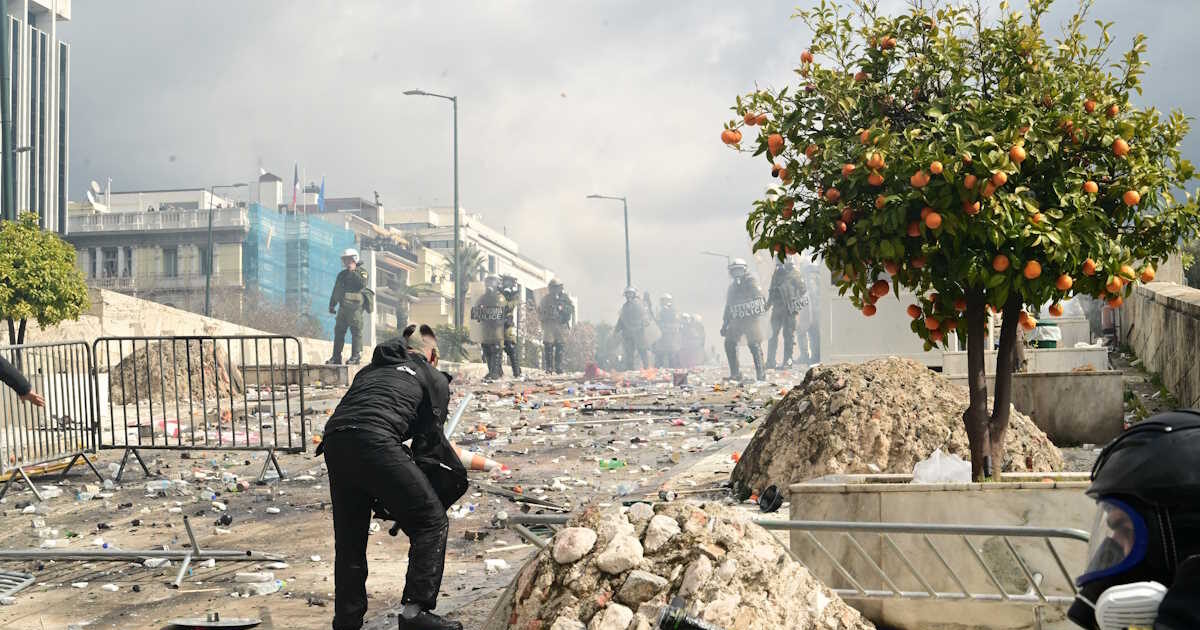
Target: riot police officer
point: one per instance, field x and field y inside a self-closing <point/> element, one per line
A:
<point x="666" y="351"/>
<point x="785" y="298"/>
<point x="808" y="329"/>
<point x="510" y="291"/>
<point x="347" y="302"/>
<point x="1144" y="565"/>
<point x="489" y="312"/>
<point x="555" y="312"/>
<point x="631" y="329"/>
<point x="744" y="310"/>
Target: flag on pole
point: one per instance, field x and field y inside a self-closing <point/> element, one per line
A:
<point x="321" y="196"/>
<point x="295" y="184"/>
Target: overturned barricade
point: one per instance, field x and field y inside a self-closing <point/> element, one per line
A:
<point x="200" y="393"/>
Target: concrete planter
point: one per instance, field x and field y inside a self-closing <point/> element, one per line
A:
<point x="1024" y="499"/>
<point x="1071" y="407"/>
<point x="1043" y="360"/>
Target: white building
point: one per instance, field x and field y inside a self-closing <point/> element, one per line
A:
<point x="39" y="71"/>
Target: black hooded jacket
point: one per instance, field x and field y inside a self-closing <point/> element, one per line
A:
<point x="395" y="395"/>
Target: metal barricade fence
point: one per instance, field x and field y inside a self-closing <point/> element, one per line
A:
<point x="1020" y="565"/>
<point x="233" y="393"/>
<point x="33" y="437"/>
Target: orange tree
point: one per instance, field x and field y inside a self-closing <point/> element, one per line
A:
<point x="973" y="163"/>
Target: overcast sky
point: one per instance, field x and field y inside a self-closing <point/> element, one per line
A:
<point x="558" y="100"/>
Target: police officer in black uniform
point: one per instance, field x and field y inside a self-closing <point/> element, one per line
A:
<point x="1146" y="484"/>
<point x="398" y="396"/>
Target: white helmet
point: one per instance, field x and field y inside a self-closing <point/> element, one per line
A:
<point x="738" y="267"/>
<point x="351" y="253"/>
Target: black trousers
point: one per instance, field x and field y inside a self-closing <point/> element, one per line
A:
<point x="362" y="465"/>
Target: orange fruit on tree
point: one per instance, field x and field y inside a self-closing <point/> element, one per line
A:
<point x="762" y="119"/>
<point x="880" y="288"/>
<point x="806" y="57"/>
<point x="1017" y="154"/>
<point x="971" y="207"/>
<point x="999" y="178"/>
<point x="1033" y="270"/>
<point x="917" y="262"/>
<point x="1131" y="197"/>
<point x="914" y="311"/>
<point x="832" y="195"/>
<point x="775" y="169"/>
<point x="1113" y="110"/>
<point x="880" y="202"/>
<point x="1116" y="301"/>
<point x="960" y="305"/>
<point x="1000" y="263"/>
<point x="750" y="118"/>
<point x="868" y="309"/>
<point x="847" y="169"/>
<point x="966" y="159"/>
<point x="1115" y="285"/>
<point x="1147" y="274"/>
<point x="989" y="189"/>
<point x="811" y="150"/>
<point x="841" y="227"/>
<point x="875" y="161"/>
<point x="1089" y="267"/>
<point x="919" y="179"/>
<point x="865" y="136"/>
<point x="860" y="76"/>
<point x="875" y="179"/>
<point x="936" y="336"/>
<point x="1120" y="148"/>
<point x="785" y="175"/>
<point x="914" y="229"/>
<point x="847" y="215"/>
<point x="933" y="221"/>
<point x="888" y="43"/>
<point x="1126" y="272"/>
<point x="1029" y="324"/>
<point x="892" y="267"/>
<point x="1089" y="106"/>
<point x="932" y="323"/>
<point x="1056" y="309"/>
<point x="731" y="136"/>
<point x="1036" y="218"/>
<point x="1064" y="283"/>
<point x="969" y="181"/>
<point x="1090" y="187"/>
<point x="775" y="144"/>
<point x="935" y="167"/>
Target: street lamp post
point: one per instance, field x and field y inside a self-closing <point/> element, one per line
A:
<point x="458" y="296"/>
<point x="719" y="255"/>
<point x="625" y="205"/>
<point x="209" y="255"/>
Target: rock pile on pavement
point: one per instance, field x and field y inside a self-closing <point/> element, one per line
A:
<point x="161" y="371"/>
<point x="612" y="569"/>
<point x="880" y="416"/>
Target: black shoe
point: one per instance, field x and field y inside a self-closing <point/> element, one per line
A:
<point x="334" y="361"/>
<point x="354" y="360"/>
<point x="426" y="620"/>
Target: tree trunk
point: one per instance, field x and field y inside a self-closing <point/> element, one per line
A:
<point x="975" y="418"/>
<point x="21" y="332"/>
<point x="1002" y="403"/>
<point x="12" y="332"/>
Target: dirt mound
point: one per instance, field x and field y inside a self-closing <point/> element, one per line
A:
<point x="175" y="370"/>
<point x="880" y="416"/>
<point x="612" y="570"/>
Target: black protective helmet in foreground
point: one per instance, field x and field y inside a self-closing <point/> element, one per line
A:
<point x="1146" y="484"/>
<point x="1156" y="461"/>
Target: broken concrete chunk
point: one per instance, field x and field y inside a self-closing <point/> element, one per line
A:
<point x="639" y="512"/>
<point x="573" y="543"/>
<point x="566" y="623"/>
<point x="696" y="575"/>
<point x="254" y="577"/>
<point x="639" y="587"/>
<point x="661" y="530"/>
<point x="257" y="588"/>
<point x="622" y="554"/>
<point x="614" y="617"/>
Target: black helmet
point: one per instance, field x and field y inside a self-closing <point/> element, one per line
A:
<point x="1146" y="483"/>
<point x="1156" y="461"/>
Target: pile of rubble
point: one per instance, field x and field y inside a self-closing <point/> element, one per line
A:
<point x="613" y="569"/>
<point x="880" y="416"/>
<point x="174" y="370"/>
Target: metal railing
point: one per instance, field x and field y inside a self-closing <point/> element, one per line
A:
<point x="1008" y="556"/>
<point x="195" y="393"/>
<point x="32" y="437"/>
<point x="159" y="281"/>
